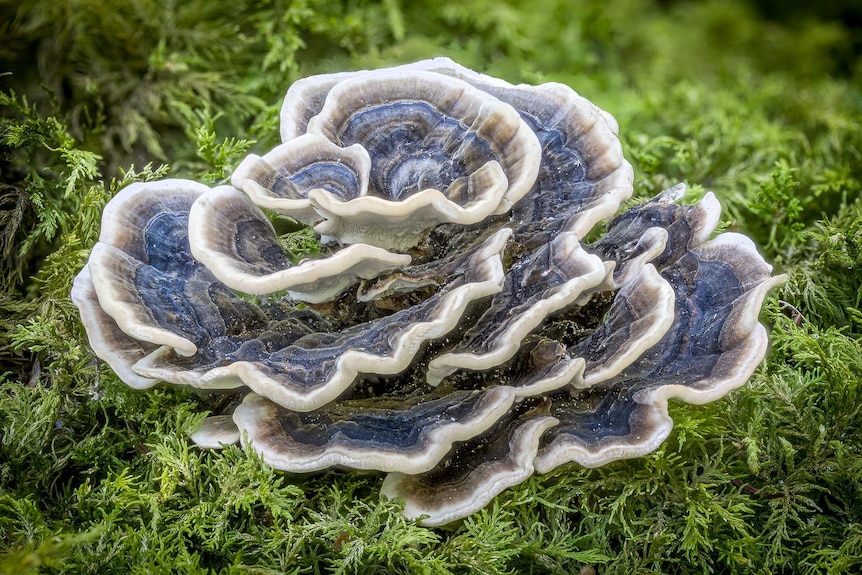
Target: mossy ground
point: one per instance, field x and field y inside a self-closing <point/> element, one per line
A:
<point x="760" y="103"/>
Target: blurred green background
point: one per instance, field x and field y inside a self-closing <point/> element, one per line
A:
<point x="760" y="102"/>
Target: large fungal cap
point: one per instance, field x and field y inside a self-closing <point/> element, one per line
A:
<point x="152" y="291"/>
<point x="440" y="151"/>
<point x="582" y="169"/>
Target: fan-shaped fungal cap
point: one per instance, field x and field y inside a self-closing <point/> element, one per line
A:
<point x="503" y="344"/>
<point x="582" y="168"/>
<point x="410" y="438"/>
<point x="441" y="151"/>
<point x="233" y="238"/>
<point x="713" y="346"/>
<point x="282" y="179"/>
<point x="135" y="259"/>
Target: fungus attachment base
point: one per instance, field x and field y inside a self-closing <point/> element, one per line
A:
<point x="458" y="333"/>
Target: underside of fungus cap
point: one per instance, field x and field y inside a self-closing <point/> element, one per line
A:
<point x="402" y="224"/>
<point x="456" y="257"/>
<point x="215" y="432"/>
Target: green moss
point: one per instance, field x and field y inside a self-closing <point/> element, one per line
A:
<point x="98" y="478"/>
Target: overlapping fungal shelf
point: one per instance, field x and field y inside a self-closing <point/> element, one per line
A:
<point x="456" y="332"/>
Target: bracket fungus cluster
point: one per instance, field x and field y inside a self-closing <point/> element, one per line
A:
<point x="456" y="331"/>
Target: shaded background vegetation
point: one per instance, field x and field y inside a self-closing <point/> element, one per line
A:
<point x="759" y="101"/>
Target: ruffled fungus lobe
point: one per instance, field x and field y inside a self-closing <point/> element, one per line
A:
<point x="457" y="332"/>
